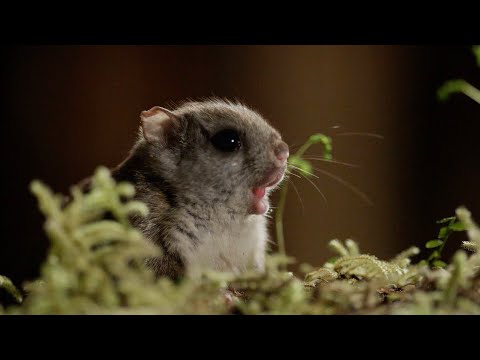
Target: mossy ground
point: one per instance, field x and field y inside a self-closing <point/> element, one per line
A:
<point x="96" y="266"/>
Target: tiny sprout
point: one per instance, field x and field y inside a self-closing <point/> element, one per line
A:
<point x="461" y="86"/>
<point x="450" y="225"/>
<point x="297" y="162"/>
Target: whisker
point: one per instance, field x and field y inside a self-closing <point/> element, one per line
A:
<point x="293" y="147"/>
<point x="298" y="195"/>
<point x="271" y="242"/>
<point x="291" y="173"/>
<point x="348" y="185"/>
<point x="361" y="134"/>
<point x="316" y="187"/>
<point x="304" y="171"/>
<point x="330" y="161"/>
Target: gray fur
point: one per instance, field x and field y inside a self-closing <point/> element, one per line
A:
<point x="198" y="194"/>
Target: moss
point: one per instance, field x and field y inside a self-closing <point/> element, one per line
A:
<point x="96" y="266"/>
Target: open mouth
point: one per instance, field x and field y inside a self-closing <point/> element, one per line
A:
<point x="259" y="203"/>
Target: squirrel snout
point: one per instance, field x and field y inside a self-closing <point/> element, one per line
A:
<point x="281" y="153"/>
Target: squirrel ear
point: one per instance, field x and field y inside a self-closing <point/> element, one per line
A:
<point x="156" y="123"/>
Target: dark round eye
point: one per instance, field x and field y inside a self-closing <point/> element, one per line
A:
<point x="226" y="140"/>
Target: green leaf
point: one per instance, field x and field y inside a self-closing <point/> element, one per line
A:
<point x="327" y="144"/>
<point x="446" y="220"/>
<point x="433" y="244"/>
<point x="317" y="138"/>
<point x="458" y="226"/>
<point x="443" y="232"/>
<point x="439" y="264"/>
<point x="423" y="263"/>
<point x="299" y="163"/>
<point x="434" y="255"/>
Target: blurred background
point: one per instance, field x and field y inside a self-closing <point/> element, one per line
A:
<point x="67" y="109"/>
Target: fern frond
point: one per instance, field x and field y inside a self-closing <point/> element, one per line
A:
<point x="403" y="259"/>
<point x="7" y="285"/>
<point x="470" y="246"/>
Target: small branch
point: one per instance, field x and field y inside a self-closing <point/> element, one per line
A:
<point x="458" y="86"/>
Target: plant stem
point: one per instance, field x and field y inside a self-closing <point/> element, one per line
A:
<point x="315" y="139"/>
<point x="327" y="154"/>
<point x="461" y="86"/>
<point x="472" y="92"/>
<point x="447" y="235"/>
<point x="279" y="222"/>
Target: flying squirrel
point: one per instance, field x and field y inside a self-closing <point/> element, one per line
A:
<point x="205" y="170"/>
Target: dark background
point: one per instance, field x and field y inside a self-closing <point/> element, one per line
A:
<point x="67" y="109"/>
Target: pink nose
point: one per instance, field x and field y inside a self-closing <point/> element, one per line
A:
<point x="281" y="152"/>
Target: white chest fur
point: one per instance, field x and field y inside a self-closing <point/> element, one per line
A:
<point x="234" y="248"/>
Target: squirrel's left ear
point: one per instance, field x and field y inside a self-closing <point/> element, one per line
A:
<point x="156" y="124"/>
